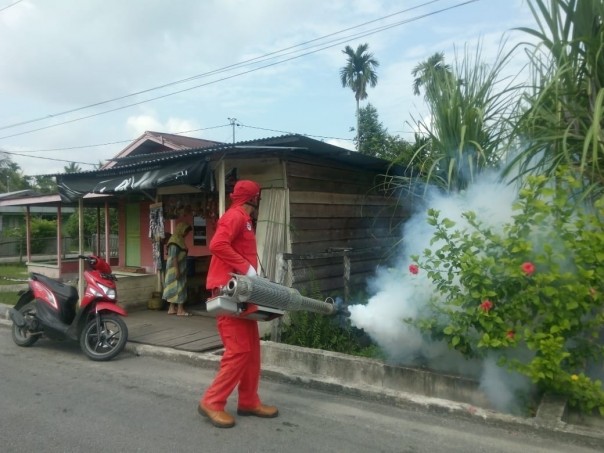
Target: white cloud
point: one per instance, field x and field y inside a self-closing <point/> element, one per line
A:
<point x="64" y="55"/>
<point x="137" y="125"/>
<point x="347" y="144"/>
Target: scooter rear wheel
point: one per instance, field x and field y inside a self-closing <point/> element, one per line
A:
<point x="22" y="336"/>
<point x="109" y="342"/>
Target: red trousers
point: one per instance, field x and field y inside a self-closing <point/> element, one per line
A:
<point x="239" y="367"/>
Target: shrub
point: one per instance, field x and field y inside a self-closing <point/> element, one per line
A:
<point x="330" y="333"/>
<point x="41" y="231"/>
<point x="536" y="287"/>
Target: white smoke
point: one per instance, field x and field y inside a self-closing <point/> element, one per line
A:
<point x="400" y="295"/>
<point x="507" y="391"/>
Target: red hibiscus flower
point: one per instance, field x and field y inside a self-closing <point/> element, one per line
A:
<point x="486" y="305"/>
<point x="510" y="334"/>
<point x="528" y="268"/>
<point x="414" y="269"/>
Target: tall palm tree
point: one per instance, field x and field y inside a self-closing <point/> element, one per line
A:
<point x="433" y="74"/>
<point x="72" y="168"/>
<point x="468" y="123"/>
<point x="360" y="71"/>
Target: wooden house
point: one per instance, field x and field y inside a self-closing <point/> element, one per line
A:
<point x="325" y="222"/>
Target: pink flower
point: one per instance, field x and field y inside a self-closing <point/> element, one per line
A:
<point x="414" y="269"/>
<point x="486" y="305"/>
<point x="510" y="334"/>
<point x="528" y="268"/>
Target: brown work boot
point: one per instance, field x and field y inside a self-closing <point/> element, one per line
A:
<point x="220" y="419"/>
<point x="260" y="411"/>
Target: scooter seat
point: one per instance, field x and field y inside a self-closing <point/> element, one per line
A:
<point x="66" y="292"/>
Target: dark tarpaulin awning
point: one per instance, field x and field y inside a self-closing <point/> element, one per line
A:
<point x="136" y="178"/>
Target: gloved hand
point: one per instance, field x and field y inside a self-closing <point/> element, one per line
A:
<point x="251" y="272"/>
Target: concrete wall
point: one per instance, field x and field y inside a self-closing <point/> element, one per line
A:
<point x="135" y="291"/>
<point x="355" y="371"/>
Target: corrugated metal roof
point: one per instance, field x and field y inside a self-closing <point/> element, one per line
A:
<point x="284" y="145"/>
<point x="184" y="141"/>
<point x="18" y="194"/>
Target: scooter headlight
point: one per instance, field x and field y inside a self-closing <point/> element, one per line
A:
<point x="109" y="292"/>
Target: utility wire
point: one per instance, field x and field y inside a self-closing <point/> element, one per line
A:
<point x="69" y="148"/>
<point x="215" y="71"/>
<point x="339" y="42"/>
<point x="12" y="4"/>
<point x="294" y="133"/>
<point x="25" y="153"/>
<point x="48" y="158"/>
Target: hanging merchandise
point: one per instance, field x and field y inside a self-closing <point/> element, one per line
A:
<point x="156" y="233"/>
<point x="176" y="206"/>
<point x="211" y="209"/>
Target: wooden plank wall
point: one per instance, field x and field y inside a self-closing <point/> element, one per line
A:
<point x="266" y="171"/>
<point x="340" y="208"/>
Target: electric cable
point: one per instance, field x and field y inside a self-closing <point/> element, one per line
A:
<point x="213" y="72"/>
<point x="47" y="158"/>
<point x="12" y="4"/>
<point x="117" y="142"/>
<point x="339" y="42"/>
<point x="294" y="133"/>
<point x="25" y="153"/>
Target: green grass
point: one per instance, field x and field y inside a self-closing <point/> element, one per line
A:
<point x="9" y="297"/>
<point x="11" y="272"/>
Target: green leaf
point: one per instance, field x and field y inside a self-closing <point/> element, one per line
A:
<point x="448" y="223"/>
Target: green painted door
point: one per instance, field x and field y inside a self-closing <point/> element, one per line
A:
<point x="133" y="235"/>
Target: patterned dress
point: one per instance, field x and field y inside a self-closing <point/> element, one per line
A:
<point x="175" y="289"/>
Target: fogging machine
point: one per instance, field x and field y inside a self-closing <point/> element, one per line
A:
<point x="260" y="299"/>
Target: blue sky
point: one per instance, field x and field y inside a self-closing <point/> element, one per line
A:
<point x="62" y="55"/>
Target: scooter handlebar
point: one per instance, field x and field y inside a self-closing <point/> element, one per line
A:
<point x="97" y="263"/>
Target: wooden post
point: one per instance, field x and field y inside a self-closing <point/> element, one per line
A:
<point x="107" y="235"/>
<point x="346" y="276"/>
<point x="80" y="249"/>
<point x="59" y="239"/>
<point x="28" y="233"/>
<point x="221" y="189"/>
<point x="97" y="252"/>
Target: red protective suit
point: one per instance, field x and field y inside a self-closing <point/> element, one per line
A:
<point x="233" y="248"/>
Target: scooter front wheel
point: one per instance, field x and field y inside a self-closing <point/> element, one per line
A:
<point x="108" y="341"/>
<point x="23" y="336"/>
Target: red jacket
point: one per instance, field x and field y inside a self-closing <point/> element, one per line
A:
<point x="233" y="247"/>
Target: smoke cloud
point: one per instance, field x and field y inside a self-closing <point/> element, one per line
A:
<point x="399" y="295"/>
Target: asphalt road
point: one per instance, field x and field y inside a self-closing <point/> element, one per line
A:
<point x="54" y="399"/>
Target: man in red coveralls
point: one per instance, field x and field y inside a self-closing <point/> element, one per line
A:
<point x="233" y="248"/>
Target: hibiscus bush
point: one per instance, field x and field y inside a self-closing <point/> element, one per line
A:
<point x="530" y="291"/>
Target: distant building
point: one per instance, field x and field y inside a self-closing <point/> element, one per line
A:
<point x="14" y="217"/>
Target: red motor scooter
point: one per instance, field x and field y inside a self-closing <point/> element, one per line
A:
<point x="51" y="308"/>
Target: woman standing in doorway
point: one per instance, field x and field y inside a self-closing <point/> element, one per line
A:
<point x="175" y="283"/>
